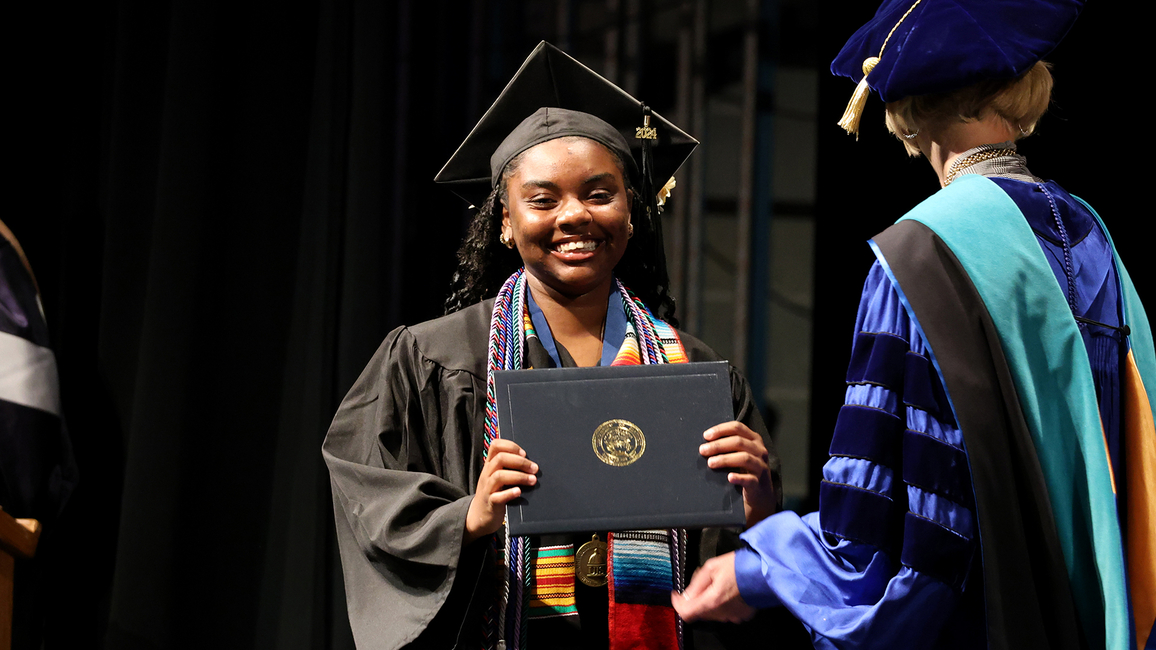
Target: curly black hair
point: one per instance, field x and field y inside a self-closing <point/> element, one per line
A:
<point x="484" y="263"/>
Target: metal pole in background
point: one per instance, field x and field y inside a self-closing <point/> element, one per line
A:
<point x="402" y="90"/>
<point x="746" y="182"/>
<point x="476" y="63"/>
<point x="695" y="219"/>
<point x="682" y="199"/>
<point x="632" y="50"/>
<point x="611" y="39"/>
<point x="563" y="19"/>
<point x="762" y="203"/>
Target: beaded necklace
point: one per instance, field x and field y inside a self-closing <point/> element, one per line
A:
<point x="1002" y="160"/>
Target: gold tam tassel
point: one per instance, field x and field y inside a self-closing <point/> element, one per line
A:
<point x="850" y="121"/>
<point x="851" y="116"/>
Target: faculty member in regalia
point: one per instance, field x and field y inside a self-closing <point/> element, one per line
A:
<point x="992" y="478"/>
<point x="562" y="266"/>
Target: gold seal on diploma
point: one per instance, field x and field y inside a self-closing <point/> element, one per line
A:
<point x="590" y="563"/>
<point x="618" y="442"/>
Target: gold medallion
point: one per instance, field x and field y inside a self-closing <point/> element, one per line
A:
<point x="618" y="442"/>
<point x="590" y="563"/>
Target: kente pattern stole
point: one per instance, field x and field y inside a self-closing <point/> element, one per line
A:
<point x="643" y="566"/>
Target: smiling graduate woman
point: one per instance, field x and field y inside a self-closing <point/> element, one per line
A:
<point x="421" y="478"/>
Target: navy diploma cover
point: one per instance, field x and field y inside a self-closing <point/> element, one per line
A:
<point x="617" y="447"/>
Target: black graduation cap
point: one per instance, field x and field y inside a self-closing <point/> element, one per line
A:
<point x="550" y="78"/>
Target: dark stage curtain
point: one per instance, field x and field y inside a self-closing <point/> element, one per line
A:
<point x="233" y="205"/>
<point x="228" y="205"/>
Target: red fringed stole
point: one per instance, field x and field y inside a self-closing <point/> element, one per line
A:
<point x="644" y="566"/>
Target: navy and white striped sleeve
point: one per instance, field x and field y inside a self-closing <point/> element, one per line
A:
<point x="37" y="470"/>
<point x="884" y="561"/>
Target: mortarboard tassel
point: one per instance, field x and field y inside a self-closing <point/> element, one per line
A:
<point x="649" y="135"/>
<point x="854" y="111"/>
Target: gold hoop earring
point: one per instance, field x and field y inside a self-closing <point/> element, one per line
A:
<point x="629" y="230"/>
<point x="505" y="241"/>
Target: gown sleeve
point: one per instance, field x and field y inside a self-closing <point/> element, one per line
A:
<point x="885" y="560"/>
<point x="747" y="412"/>
<point x="401" y="459"/>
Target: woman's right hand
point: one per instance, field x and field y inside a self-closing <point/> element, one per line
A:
<point x="505" y="471"/>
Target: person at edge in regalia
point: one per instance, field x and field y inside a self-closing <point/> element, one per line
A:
<point x="421" y="480"/>
<point x="992" y="473"/>
<point x="38" y="471"/>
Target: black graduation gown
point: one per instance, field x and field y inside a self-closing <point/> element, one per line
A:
<point x="404" y="453"/>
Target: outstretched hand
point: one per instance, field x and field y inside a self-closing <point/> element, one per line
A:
<point x="506" y="469"/>
<point x="733" y="445"/>
<point x="713" y="594"/>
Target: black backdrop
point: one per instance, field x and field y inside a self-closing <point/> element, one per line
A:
<point x="229" y="204"/>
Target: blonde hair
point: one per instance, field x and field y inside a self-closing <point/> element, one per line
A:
<point x="1020" y="102"/>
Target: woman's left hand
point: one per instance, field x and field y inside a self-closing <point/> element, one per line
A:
<point x="733" y="445"/>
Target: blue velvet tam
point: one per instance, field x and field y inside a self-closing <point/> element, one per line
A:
<point x="945" y="45"/>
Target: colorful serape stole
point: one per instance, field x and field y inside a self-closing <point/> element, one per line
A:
<point x="671" y="345"/>
<point x="628" y="353"/>
<point x="644" y="566"/>
<point x="539" y="582"/>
